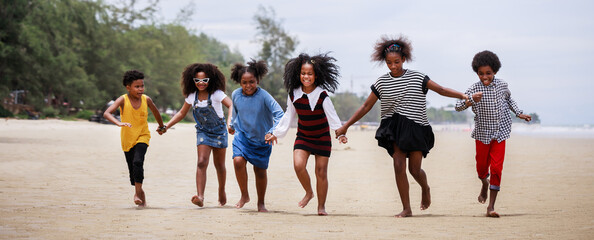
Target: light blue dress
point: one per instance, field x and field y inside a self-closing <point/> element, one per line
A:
<point x="253" y="117"/>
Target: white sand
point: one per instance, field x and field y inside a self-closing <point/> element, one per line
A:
<point x="68" y="180"/>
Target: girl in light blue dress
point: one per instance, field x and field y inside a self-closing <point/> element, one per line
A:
<point x="255" y="114"/>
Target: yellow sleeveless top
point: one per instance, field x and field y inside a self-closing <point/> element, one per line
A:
<point x="139" y="132"/>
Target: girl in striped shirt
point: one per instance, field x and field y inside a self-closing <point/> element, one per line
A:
<point x="306" y="79"/>
<point x="404" y="130"/>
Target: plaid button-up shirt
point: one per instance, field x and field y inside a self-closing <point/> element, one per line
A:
<point x="492" y="120"/>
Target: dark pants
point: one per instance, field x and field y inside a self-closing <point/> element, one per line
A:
<point x="135" y="160"/>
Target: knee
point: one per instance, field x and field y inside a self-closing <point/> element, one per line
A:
<point x="399" y="166"/>
<point x="239" y="162"/>
<point x="202" y="163"/>
<point x="322" y="172"/>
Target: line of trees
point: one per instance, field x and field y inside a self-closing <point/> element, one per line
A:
<point x="71" y="54"/>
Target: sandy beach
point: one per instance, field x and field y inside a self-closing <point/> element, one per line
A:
<point x="68" y="180"/>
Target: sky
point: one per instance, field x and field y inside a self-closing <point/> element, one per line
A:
<point x="545" y="47"/>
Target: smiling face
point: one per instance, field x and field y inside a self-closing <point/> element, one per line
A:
<point x="486" y="75"/>
<point x="201" y="85"/>
<point x="394" y="62"/>
<point x="136" y="88"/>
<point x="307" y="77"/>
<point x="249" y="84"/>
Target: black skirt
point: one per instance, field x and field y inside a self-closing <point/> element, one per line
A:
<point x="408" y="135"/>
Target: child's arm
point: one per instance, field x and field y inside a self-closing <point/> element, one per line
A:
<point x="178" y="116"/>
<point x="333" y="119"/>
<point x="230" y="126"/>
<point x="289" y="117"/>
<point x="229" y="104"/>
<point x="514" y="108"/>
<point x="161" y="129"/>
<point x="443" y="91"/>
<point x="107" y="114"/>
<point x="463" y="104"/>
<point x="364" y="109"/>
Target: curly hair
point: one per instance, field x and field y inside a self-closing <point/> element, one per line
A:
<point x="131" y="76"/>
<point x="256" y="68"/>
<point x="216" y="82"/>
<point x="486" y="58"/>
<point x="386" y="44"/>
<point x="325" y="70"/>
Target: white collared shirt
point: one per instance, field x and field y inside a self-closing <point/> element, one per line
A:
<point x="290" y="117"/>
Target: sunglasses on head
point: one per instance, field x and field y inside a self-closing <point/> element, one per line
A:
<point x="204" y="80"/>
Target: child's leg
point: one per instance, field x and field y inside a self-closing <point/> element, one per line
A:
<point x="261" y="183"/>
<point x="401" y="181"/>
<point x="482" y="168"/>
<point x="241" y="174"/>
<point x="322" y="183"/>
<point x="496" y="155"/>
<point x="203" y="152"/>
<point x="218" y="155"/>
<point x="138" y="172"/>
<point x="414" y="167"/>
<point x="130" y="162"/>
<point x="300" y="163"/>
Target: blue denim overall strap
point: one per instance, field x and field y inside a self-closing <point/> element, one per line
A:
<point x="206" y="118"/>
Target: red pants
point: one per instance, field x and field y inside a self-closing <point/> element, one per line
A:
<point x="490" y="156"/>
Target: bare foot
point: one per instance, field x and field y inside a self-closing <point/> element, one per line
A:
<point x="322" y="211"/>
<point x="492" y="213"/>
<point x="199" y="201"/>
<point x="242" y="201"/>
<point x="262" y="208"/>
<point x="482" y="198"/>
<point x="404" y="213"/>
<point x="305" y="200"/>
<point x="426" y="198"/>
<point x="222" y="198"/>
<point x="137" y="200"/>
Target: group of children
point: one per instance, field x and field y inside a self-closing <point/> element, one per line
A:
<point x="257" y="121"/>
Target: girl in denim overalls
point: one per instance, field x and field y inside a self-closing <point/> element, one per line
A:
<point x="203" y="86"/>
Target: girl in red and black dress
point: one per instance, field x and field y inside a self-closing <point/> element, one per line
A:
<point x="307" y="79"/>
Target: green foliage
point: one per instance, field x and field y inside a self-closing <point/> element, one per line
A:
<point x="5" y="113"/>
<point x="165" y="117"/>
<point x="84" y="114"/>
<point x="49" y="112"/>
<point x="73" y="53"/>
<point x="346" y="104"/>
<point x="441" y="115"/>
<point x="276" y="50"/>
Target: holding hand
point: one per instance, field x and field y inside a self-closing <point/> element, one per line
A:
<point x="476" y="97"/>
<point x="161" y="130"/>
<point x="231" y="130"/>
<point x="342" y="139"/>
<point x="341" y="131"/>
<point x="270" y="139"/>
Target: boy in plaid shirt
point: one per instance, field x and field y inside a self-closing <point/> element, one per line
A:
<point x="491" y="101"/>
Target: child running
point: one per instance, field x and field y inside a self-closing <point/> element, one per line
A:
<point x="491" y="102"/>
<point x="134" y="128"/>
<point x="404" y="130"/>
<point x="203" y="87"/>
<point x="306" y="79"/>
<point x="255" y="114"/>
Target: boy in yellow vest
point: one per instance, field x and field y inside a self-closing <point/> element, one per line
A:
<point x="134" y="128"/>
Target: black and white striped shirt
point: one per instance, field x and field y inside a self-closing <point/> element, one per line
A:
<point x="404" y="95"/>
<point x="492" y="120"/>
